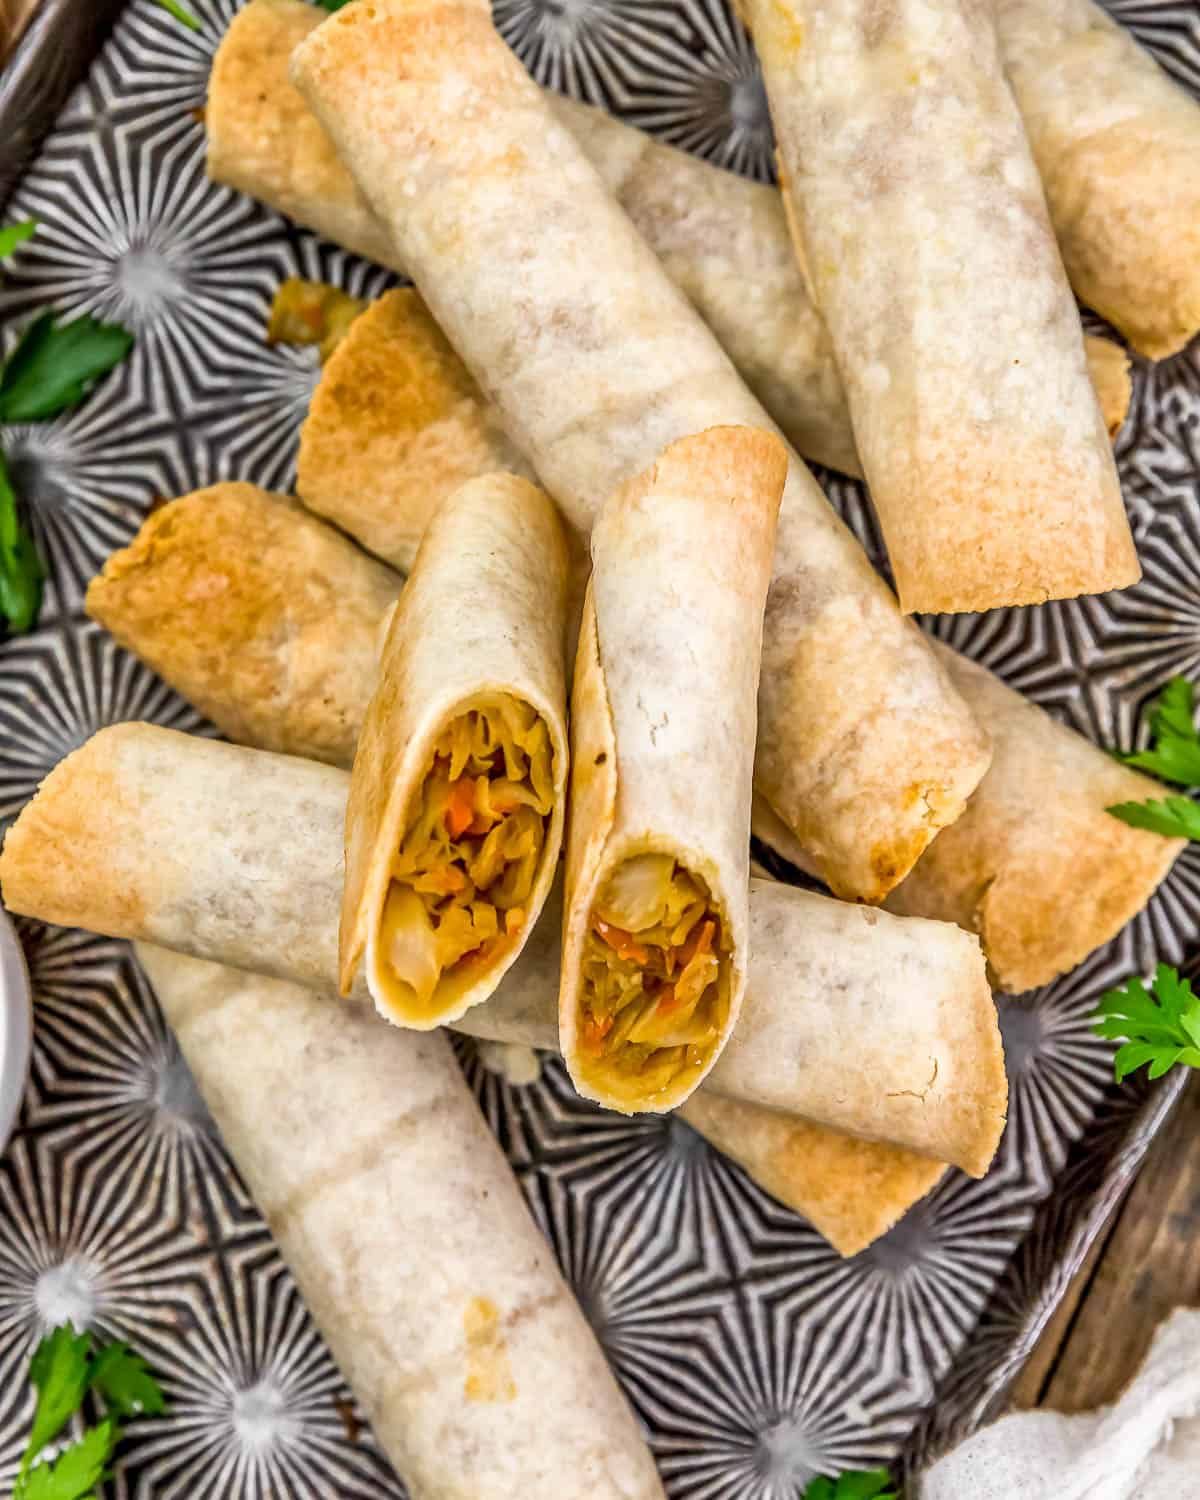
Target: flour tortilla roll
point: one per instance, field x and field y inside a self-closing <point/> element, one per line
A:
<point x="231" y="594"/>
<point x="396" y="425"/>
<point x="597" y="362"/>
<point x="851" y="1191"/>
<point x="662" y="743"/>
<point x="126" y="838"/>
<point x="410" y="1241"/>
<point x="1036" y="866"/>
<point x="455" y="816"/>
<point x="1118" y="146"/>
<point x="922" y="225"/>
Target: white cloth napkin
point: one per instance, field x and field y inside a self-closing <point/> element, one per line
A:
<point x="1146" y="1447"/>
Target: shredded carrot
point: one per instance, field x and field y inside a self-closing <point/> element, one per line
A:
<point x="460" y="807"/>
<point x="668" y="1001"/>
<point x="699" y="940"/>
<point x="623" y="943"/>
<point x="595" y="1029"/>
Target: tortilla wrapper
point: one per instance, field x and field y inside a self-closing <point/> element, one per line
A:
<point x="126" y="838"/>
<point x="1118" y="145"/>
<point x="1108" y="366"/>
<point x="1035" y="865"/>
<point x="851" y="1191"/>
<point x="266" y="620"/>
<point x="921" y="222"/>
<point x="667" y="672"/>
<point x="596" y="361"/>
<point x="482" y="618"/>
<point x="410" y="1241"/>
<point x="396" y="425"/>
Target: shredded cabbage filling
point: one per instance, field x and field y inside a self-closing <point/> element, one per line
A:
<point x="656" y="976"/>
<point x="463" y="876"/>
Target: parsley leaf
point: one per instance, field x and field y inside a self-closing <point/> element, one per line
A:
<point x="1175" y="752"/>
<point x="59" y="1371"/>
<point x="126" y="1384"/>
<point x="332" y="4"/>
<point x="21" y="570"/>
<point x="862" y="1484"/>
<point x="77" y="1471"/>
<point x="185" y="17"/>
<point x="53" y="364"/>
<point x="16" y="234"/>
<point x="1159" y="1025"/>
<point x="1174" y="817"/>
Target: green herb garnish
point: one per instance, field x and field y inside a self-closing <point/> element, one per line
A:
<point x="1174" y="753"/>
<point x="332" y="4"/>
<point x="13" y="235"/>
<point x="185" y="17"/>
<point x="1159" y="1024"/>
<point x="864" y="1484"/>
<point x="62" y="1371"/>
<point x="1173" y="817"/>
<point x="21" y="569"/>
<point x="54" y="363"/>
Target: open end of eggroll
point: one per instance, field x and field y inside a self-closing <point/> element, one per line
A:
<point x="473" y="847"/>
<point x="657" y="978"/>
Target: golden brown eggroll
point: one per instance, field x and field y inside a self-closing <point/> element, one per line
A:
<point x="457" y="800"/>
<point x="921" y="223"/>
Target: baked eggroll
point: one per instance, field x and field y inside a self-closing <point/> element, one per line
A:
<point x="597" y="362"/>
<point x="396" y="424"/>
<point x="662" y="749"/>
<point x="920" y="220"/>
<point x="1067" y="774"/>
<point x="851" y="1191"/>
<point x="265" y="619"/>
<point x="1118" y="145"/>
<point x="455" y="815"/>
<point x="125" y="838"/>
<point x="722" y="239"/>
<point x="1036" y="865"/>
<point x="410" y="1241"/>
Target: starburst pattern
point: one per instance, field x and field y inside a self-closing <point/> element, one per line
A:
<point x="755" y="1356"/>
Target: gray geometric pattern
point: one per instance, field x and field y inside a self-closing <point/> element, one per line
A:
<point x="754" y="1354"/>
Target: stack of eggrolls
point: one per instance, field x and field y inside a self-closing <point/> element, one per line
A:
<point x="730" y="658"/>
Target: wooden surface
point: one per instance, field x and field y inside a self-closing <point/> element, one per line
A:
<point x="1146" y="1263"/>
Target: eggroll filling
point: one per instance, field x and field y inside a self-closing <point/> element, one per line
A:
<point x="656" y="977"/>
<point x="312" y="312"/>
<point x="463" y="876"/>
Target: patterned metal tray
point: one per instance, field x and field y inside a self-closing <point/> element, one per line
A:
<point x="761" y="1357"/>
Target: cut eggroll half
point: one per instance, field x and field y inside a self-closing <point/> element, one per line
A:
<point x="455" y="815"/>
<point x="663" y="727"/>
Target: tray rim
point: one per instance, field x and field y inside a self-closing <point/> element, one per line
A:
<point x="53" y="56"/>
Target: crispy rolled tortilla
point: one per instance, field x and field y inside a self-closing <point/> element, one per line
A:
<point x="1036" y="866"/>
<point x="875" y="1024"/>
<point x="1118" y="145"/>
<point x="1064" y="773"/>
<point x="722" y="239"/>
<point x="662" y="748"/>
<point x="597" y="362"/>
<point x="410" y="1241"/>
<point x="455" y="816"/>
<point x="396" y="425"/>
<point x="265" y="619"/>
<point x="920" y="218"/>
<point x="850" y="1190"/>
